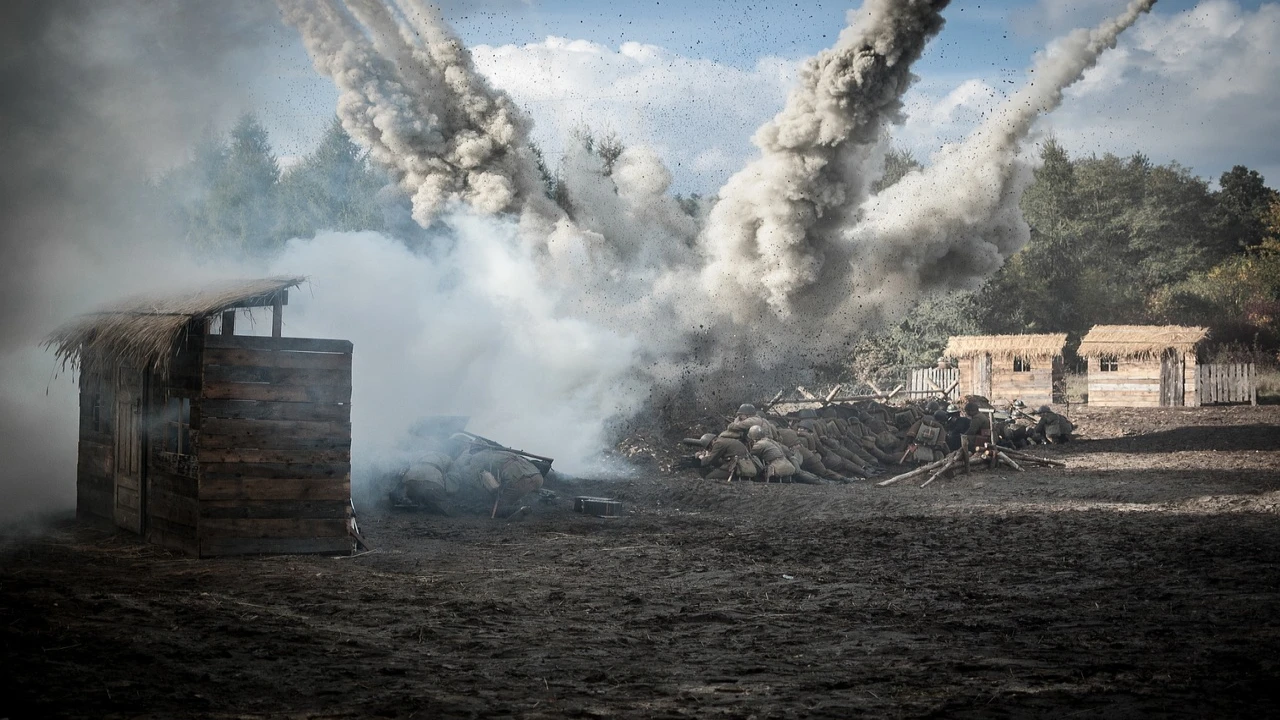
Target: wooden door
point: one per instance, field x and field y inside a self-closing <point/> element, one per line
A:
<point x="128" y="449"/>
<point x="982" y="375"/>
<point x="1172" y="380"/>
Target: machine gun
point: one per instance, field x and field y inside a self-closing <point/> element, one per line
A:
<point x="541" y="462"/>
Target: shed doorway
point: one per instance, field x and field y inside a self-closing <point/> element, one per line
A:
<point x="129" y="449"/>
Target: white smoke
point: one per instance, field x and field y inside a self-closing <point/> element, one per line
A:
<point x="410" y="94"/>
<point x="543" y="324"/>
<point x="769" y="236"/>
<point x="952" y="224"/>
<point x="468" y="330"/>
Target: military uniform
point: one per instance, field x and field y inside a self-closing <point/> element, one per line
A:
<point x="486" y="474"/>
<point x="1053" y="427"/>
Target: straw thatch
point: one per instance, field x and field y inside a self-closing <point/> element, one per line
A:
<point x="143" y="332"/>
<point x="1007" y="347"/>
<point x="1133" y="341"/>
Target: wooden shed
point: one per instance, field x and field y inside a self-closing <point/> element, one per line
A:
<point x="206" y="441"/>
<point x="1142" y="365"/>
<point x="1005" y="368"/>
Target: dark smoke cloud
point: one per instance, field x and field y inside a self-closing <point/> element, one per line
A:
<point x="95" y="96"/>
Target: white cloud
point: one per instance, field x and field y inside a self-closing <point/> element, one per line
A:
<point x="698" y="114"/>
<point x="1198" y="86"/>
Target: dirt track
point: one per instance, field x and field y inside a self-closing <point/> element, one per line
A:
<point x="1144" y="580"/>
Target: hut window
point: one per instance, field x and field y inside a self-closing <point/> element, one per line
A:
<point x="177" y="426"/>
<point x="1108" y="363"/>
<point x="1021" y="365"/>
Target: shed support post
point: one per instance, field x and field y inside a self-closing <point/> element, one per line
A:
<point x="277" y="316"/>
<point x="229" y="322"/>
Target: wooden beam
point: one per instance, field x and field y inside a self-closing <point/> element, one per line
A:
<point x="277" y="313"/>
<point x="229" y="322"/>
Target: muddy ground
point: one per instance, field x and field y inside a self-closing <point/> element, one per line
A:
<point x="1143" y="580"/>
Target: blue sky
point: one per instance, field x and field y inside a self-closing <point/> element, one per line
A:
<point x="723" y="68"/>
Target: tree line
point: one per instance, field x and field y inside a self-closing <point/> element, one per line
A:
<point x="1113" y="239"/>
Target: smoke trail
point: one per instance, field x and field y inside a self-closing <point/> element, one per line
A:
<point x="768" y="236"/>
<point x="955" y="222"/>
<point x="419" y="106"/>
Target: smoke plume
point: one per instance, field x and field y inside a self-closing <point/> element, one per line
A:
<point x="770" y="235"/>
<point x="410" y="94"/>
<point x="952" y="224"/>
<point x="95" y="98"/>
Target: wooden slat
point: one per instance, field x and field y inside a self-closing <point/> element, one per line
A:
<point x="214" y="374"/>
<point x="267" y="428"/>
<point x="278" y="393"/>
<point x="94" y="459"/>
<point x="126" y="498"/>
<point x="279" y="441"/>
<point x="277" y="359"/>
<point x="160" y="481"/>
<point x="127" y="483"/>
<point x="178" y="509"/>
<point x="233" y="470"/>
<point x="295" y="489"/>
<point x="97" y="501"/>
<point x="248" y="342"/>
<point x="276" y="509"/>
<point x="211" y="528"/>
<point x="173" y="541"/>
<point x="215" y="547"/>
<point x="254" y="456"/>
<point x="256" y="410"/>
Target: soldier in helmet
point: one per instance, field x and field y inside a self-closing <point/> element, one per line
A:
<point x="1053" y="427"/>
<point x="726" y="456"/>
<point x="979" y="432"/>
<point x="772" y="455"/>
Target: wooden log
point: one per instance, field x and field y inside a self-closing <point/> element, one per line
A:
<point x="917" y="472"/>
<point x="1006" y="460"/>
<point x="1033" y="458"/>
<point x="945" y="469"/>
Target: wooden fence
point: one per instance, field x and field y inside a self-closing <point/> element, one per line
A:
<point x="932" y="382"/>
<point x="1234" y="384"/>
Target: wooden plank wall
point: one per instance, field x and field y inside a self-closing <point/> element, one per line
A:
<point x="1191" y="390"/>
<point x="1228" y="384"/>
<point x="95" y="462"/>
<point x="172" y="506"/>
<point x="274" y="446"/>
<point x="1135" y="383"/>
<point x="1035" y="387"/>
<point x="925" y="383"/>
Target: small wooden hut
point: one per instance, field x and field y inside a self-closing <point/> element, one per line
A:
<point x="213" y="444"/>
<point x="1142" y="365"/>
<point x="1005" y="368"/>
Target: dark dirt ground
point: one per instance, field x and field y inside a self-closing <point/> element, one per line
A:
<point x="1144" y="580"/>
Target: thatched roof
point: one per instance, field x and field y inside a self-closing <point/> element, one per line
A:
<point x="1006" y="347"/>
<point x="144" y="331"/>
<point x="1140" y="340"/>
